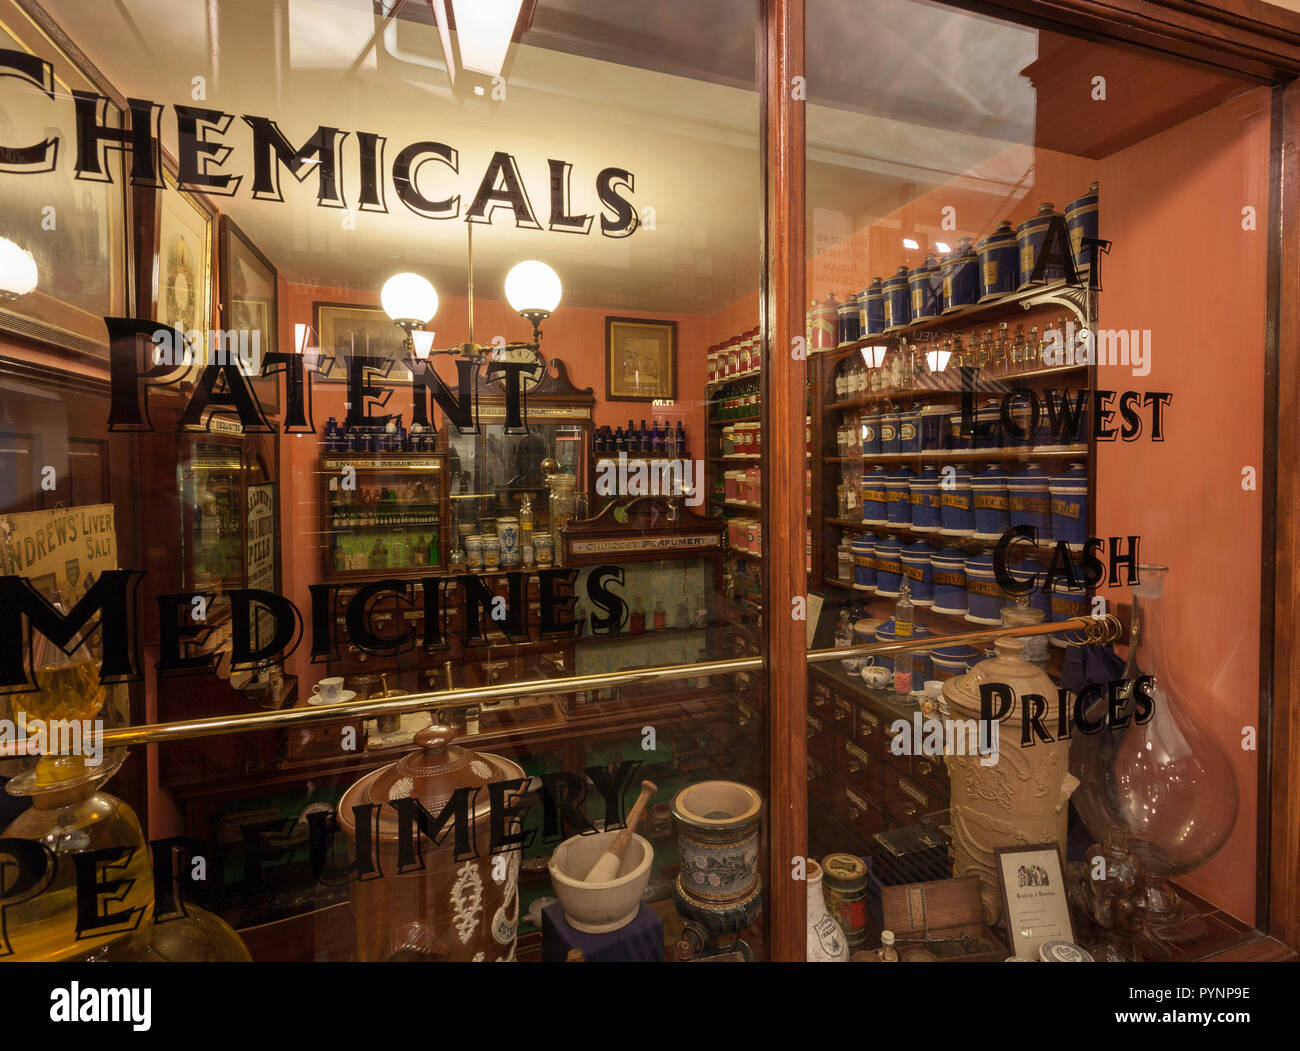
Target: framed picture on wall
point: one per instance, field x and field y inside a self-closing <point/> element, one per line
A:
<point x="640" y="359"/>
<point x="248" y="307"/>
<point x="344" y="329"/>
<point x="183" y="277"/>
<point x="75" y="230"/>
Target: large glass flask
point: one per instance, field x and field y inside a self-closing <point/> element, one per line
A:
<point x="1156" y="778"/>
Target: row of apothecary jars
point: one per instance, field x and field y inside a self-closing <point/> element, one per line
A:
<point x="738" y="356"/>
<point x="939" y="428"/>
<point x="981" y="505"/>
<point x="1006" y="261"/>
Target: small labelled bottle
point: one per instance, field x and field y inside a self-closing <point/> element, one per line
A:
<point x="435" y="554"/>
<point x="841" y="385"/>
<point x="527" y="521"/>
<point x="660" y="616"/>
<point x="680" y="445"/>
<point x="633" y="440"/>
<point x="420" y="552"/>
<point x="903" y="628"/>
<point x="620" y="441"/>
<point x="643" y="439"/>
<point x="637" y="622"/>
<point x="657" y="441"/>
<point x="888" y="954"/>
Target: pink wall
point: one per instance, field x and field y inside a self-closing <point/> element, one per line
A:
<point x="1183" y="267"/>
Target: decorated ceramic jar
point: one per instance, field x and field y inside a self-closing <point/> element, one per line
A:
<point x="850" y="321"/>
<point x="889" y="432"/>
<point x="1031" y="235"/>
<point x="827" y="942"/>
<point x="447" y="909"/>
<point x="984" y="595"/>
<point x="948" y="573"/>
<point x="926" y="290"/>
<point x="1081" y="222"/>
<point x="1020" y="797"/>
<point x="1029" y="502"/>
<point x="869" y="425"/>
<point x="898" y="301"/>
<point x="909" y="431"/>
<point x="871" y="308"/>
<point x="889" y="566"/>
<point x="875" y="497"/>
<point x="864" y="562"/>
<point x="999" y="262"/>
<point x="824" y="324"/>
<point x="991" y="505"/>
<point x="898" y="497"/>
<point x="844" y="885"/>
<point x="956" y="503"/>
<point x="508" y="538"/>
<point x="960" y="274"/>
<point x="717" y="837"/>
<point x="920" y="573"/>
<point x="1069" y="494"/>
<point x="924" y="492"/>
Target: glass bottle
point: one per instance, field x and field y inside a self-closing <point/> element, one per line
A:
<point x="637" y="624"/>
<point x="526" y="522"/>
<point x="1159" y="778"/>
<point x="660" y="616"/>
<point x="903" y="628"/>
<point x="888" y="954"/>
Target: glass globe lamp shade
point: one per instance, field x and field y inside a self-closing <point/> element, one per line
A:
<point x="533" y="289"/>
<point x="937" y="359"/>
<point x="874" y="357"/>
<point x="409" y="299"/>
<point x="17" y="270"/>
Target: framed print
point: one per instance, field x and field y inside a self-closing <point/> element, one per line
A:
<point x="182" y="271"/>
<point x="640" y="359"/>
<point x="248" y="304"/>
<point x="76" y="230"/>
<point x="1034" y="897"/>
<point x="343" y="329"/>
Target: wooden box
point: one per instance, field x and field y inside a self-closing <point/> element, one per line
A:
<point x="946" y="908"/>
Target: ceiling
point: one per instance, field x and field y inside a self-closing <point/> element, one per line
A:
<point x="903" y="96"/>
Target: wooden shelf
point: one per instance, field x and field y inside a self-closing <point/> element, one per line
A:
<point x="949" y="385"/>
<point x="1036" y="452"/>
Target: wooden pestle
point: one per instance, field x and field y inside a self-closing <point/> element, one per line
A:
<point x="606" y="867"/>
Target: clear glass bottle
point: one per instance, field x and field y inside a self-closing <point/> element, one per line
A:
<point x="904" y="622"/>
<point x="527" y="520"/>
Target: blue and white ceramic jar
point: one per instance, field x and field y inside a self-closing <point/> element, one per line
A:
<point x="864" y="562"/>
<point x="909" y="432"/>
<point x="992" y="516"/>
<point x="850" y="321"/>
<point x="898" y="496"/>
<point x="999" y="262"/>
<point x="869" y="422"/>
<point x="927" y="290"/>
<point x="871" y="308"/>
<point x="956" y="503"/>
<point x="948" y="569"/>
<point x="925" y="499"/>
<point x="984" y="596"/>
<point x="960" y="274"/>
<point x="1029" y="501"/>
<point x="875" y="497"/>
<point x="889" y="432"/>
<point x="1081" y="222"/>
<point x="889" y="566"/>
<point x="951" y="661"/>
<point x="920" y="572"/>
<point x="1069" y="492"/>
<point x="1030" y="237"/>
<point x="898" y="301"/>
<point x="934" y="427"/>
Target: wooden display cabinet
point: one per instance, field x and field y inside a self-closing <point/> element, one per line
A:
<point x="384" y="513"/>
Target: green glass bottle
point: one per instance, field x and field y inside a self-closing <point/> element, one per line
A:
<point x="435" y="556"/>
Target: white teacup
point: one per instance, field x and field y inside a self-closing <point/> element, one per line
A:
<point x="330" y="689"/>
<point x="877" y="677"/>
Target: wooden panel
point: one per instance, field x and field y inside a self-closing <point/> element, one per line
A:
<point x="1280" y="784"/>
<point x="784" y="580"/>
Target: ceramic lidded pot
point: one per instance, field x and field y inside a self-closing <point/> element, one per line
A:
<point x="1020" y="797"/>
<point x="448" y="909"/>
<point x="827" y="942"/>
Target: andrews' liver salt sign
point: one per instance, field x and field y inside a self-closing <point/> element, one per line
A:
<point x="65" y="549"/>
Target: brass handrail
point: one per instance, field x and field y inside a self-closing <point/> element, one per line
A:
<point x="1094" y="629"/>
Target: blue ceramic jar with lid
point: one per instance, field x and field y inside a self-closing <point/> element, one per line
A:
<point x="898" y="301"/>
<point x="926" y="290"/>
<point x="889" y="432"/>
<point x="850" y="321"/>
<point x="925" y="500"/>
<point x="871" y="308"/>
<point x="1081" y="222"/>
<point x="875" y="497"/>
<point x="889" y="566"/>
<point x="948" y="569"/>
<point x="999" y="262"/>
<point x="1029" y="501"/>
<point x="920" y="573"/>
<point x="1030" y="237"/>
<point x="989" y="488"/>
<point x="909" y="431"/>
<point x="1069" y="492"/>
<point x="984" y="596"/>
<point x="956" y="504"/>
<point x="960" y="277"/>
<point x="864" y="562"/>
<point x="869" y="424"/>
<point x="898" y="497"/>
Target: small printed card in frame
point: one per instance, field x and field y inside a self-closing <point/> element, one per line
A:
<point x="1034" y="897"/>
